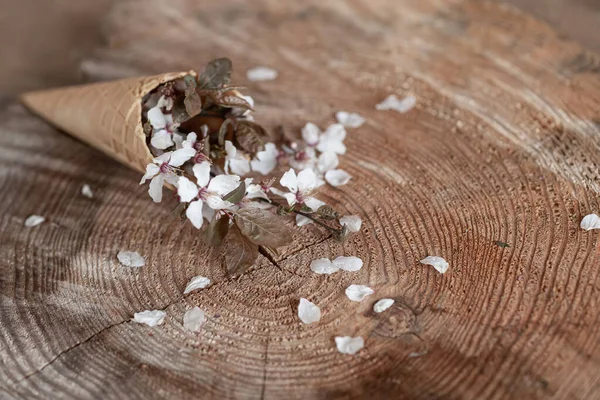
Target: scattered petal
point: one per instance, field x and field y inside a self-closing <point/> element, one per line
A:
<point x="337" y="177"/>
<point x="349" y="345"/>
<point x="323" y="266"/>
<point x="589" y="222"/>
<point x="327" y="162"/>
<point x="197" y="282"/>
<point x="382" y="305"/>
<point x="351" y="120"/>
<point x="353" y="222"/>
<point x="392" y="103"/>
<point x="358" y="292"/>
<point x="311" y="133"/>
<point x="332" y="140"/>
<point x="86" y="190"/>
<point x="308" y="312"/>
<point x="194" y="319"/>
<point x="150" y="318"/>
<point x="265" y="160"/>
<point x="436" y="262"/>
<point x="131" y="259"/>
<point x="258" y="74"/>
<point x="34" y="220"/>
<point x="350" y="264"/>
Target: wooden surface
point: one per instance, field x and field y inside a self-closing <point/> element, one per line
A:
<point x="503" y="145"/>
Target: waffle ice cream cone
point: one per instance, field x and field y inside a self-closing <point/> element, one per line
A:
<point x="105" y="115"/>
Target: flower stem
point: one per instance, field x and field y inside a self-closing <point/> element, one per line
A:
<point x="304" y="214"/>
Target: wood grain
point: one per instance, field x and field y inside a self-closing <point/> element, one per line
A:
<point x="503" y="145"/>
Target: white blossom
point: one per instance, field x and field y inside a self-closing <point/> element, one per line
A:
<point x="162" y="134"/>
<point x="349" y="264"/>
<point x="438" y="263"/>
<point x="131" y="259"/>
<point x="323" y="266"/>
<point x="382" y="305"/>
<point x="162" y="169"/>
<point x="258" y="74"/>
<point x="86" y="190"/>
<point x="358" y="292"/>
<point x="300" y="186"/>
<point x="353" y="222"/>
<point x="308" y="312"/>
<point x="150" y="317"/>
<point x="265" y="161"/>
<point x="235" y="162"/>
<point x="589" y="222"/>
<point x="208" y="192"/>
<point x="349" y="345"/>
<point x="392" y="103"/>
<point x="314" y="205"/>
<point x="193" y="319"/>
<point x="332" y="140"/>
<point x="351" y="120"/>
<point x="34" y="220"/>
<point x="197" y="282"/>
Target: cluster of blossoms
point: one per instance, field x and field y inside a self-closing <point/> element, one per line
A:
<point x="220" y="164"/>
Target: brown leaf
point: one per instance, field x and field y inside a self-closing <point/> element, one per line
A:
<point x="237" y="194"/>
<point x="240" y="252"/>
<point x="229" y="100"/>
<point x="249" y="136"/>
<point x="217" y="230"/>
<point x="262" y="227"/>
<point x="192" y="101"/>
<point x="216" y="74"/>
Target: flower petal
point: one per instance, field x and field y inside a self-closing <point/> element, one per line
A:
<point x="310" y="134"/>
<point x="308" y="312"/>
<point x="313" y="203"/>
<point x="150" y="317"/>
<point x="197" y="282"/>
<point x="353" y="222"/>
<point x="301" y="220"/>
<point x="157" y="118"/>
<point x="190" y="140"/>
<point x="193" y="319"/>
<point x="265" y="160"/>
<point x="34" y="220"/>
<point x="307" y="180"/>
<point x="323" y="266"/>
<point x="327" y="161"/>
<point x="349" y="345"/>
<point x="358" y="292"/>
<point x="86" y="190"/>
<point x="239" y="166"/>
<point x="194" y="213"/>
<point x="589" y="222"/>
<point x="392" y="103"/>
<point x="223" y="184"/>
<point x="438" y="263"/>
<point x="202" y="173"/>
<point x="337" y="177"/>
<point x="350" y="264"/>
<point x="230" y="149"/>
<point x="151" y="170"/>
<point x="217" y="203"/>
<point x="131" y="259"/>
<point x="351" y="120"/>
<point x="382" y="305"/>
<point x="186" y="189"/>
<point x="179" y="157"/>
<point x="155" y="189"/>
<point x="290" y="180"/>
<point x="162" y="140"/>
<point x="290" y="198"/>
<point x="259" y="74"/>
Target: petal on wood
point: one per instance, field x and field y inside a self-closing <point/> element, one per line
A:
<point x="259" y="74"/>
<point x="323" y="266"/>
<point x="34" y="220"/>
<point x="150" y="317"/>
<point x="197" y="282"/>
<point x="337" y="177"/>
<point x="86" y="190"/>
<point x="351" y="120"/>
<point x="358" y="292"/>
<point x="131" y="259"/>
<point x="348" y="263"/>
<point x="349" y="345"/>
<point x="393" y="103"/>
<point x="438" y="263"/>
<point x="193" y="319"/>
<point x="589" y="222"/>
<point x="353" y="222"/>
<point x="382" y="305"/>
<point x="308" y="312"/>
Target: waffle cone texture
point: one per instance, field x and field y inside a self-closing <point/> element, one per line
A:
<point x="105" y="115"/>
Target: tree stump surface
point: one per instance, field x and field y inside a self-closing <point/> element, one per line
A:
<point x="501" y="146"/>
